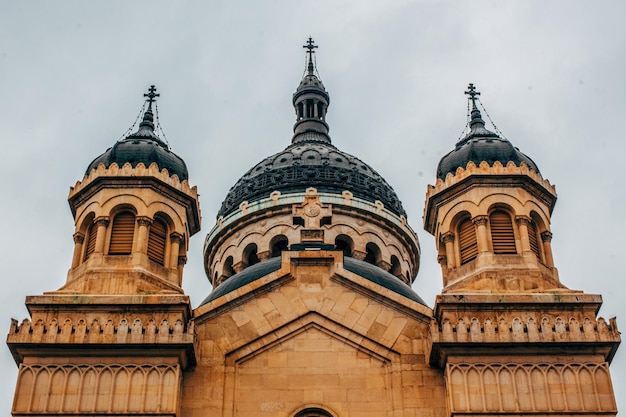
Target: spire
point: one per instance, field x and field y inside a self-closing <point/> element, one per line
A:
<point x="311" y="103"/>
<point x="146" y="127"/>
<point x="476" y="116"/>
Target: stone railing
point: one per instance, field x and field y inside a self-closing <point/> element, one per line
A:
<point x="558" y="330"/>
<point x="96" y="332"/>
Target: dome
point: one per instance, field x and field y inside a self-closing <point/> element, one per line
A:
<point x="311" y="160"/>
<point x="361" y="268"/>
<point x="481" y="145"/>
<point x="143" y="146"/>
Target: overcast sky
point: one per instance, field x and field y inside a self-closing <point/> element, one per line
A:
<point x="72" y="75"/>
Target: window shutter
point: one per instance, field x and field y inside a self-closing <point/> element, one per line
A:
<point x="157" y="241"/>
<point x="532" y="237"/>
<point x="91" y="240"/>
<point x="122" y="233"/>
<point x="502" y="235"/>
<point x="468" y="246"/>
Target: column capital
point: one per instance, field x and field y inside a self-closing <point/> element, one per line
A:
<point x="357" y="254"/>
<point x="447" y="237"/>
<point x="176" y="237"/>
<point x="384" y="265"/>
<point x="546" y="236"/>
<point x="480" y="220"/>
<point x="102" y="221"/>
<point x="523" y="220"/>
<point x="144" y="221"/>
<point x="79" y="237"/>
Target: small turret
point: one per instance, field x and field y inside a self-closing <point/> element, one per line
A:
<point x="490" y="214"/>
<point x="134" y="214"/>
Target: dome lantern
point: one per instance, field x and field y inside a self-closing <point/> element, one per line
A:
<point x="311" y="104"/>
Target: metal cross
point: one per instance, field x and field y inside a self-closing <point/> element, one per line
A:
<point x="151" y="94"/>
<point x="310" y="46"/>
<point x="472" y="93"/>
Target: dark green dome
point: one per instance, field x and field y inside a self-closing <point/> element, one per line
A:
<point x="481" y="145"/>
<point x="143" y="146"/>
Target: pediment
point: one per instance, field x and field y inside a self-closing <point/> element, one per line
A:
<point x="307" y="338"/>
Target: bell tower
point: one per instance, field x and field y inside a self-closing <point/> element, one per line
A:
<point x="122" y="319"/>
<point x="510" y="337"/>
<point x="490" y="214"/>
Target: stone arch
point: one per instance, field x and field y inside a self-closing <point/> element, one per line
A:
<point x="373" y="254"/>
<point x="250" y="255"/>
<point x="278" y="244"/>
<point x="345" y="244"/>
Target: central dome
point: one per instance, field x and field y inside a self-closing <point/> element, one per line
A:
<point x="311" y="160"/>
<point x="308" y="163"/>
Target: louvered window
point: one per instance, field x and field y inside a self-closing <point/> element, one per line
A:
<point x="91" y="240"/>
<point x="468" y="246"/>
<point x="502" y="235"/>
<point x="157" y="241"/>
<point x="122" y="233"/>
<point x="532" y="238"/>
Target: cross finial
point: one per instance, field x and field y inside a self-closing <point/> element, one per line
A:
<point x="310" y="46"/>
<point x="151" y="94"/>
<point x="472" y="93"/>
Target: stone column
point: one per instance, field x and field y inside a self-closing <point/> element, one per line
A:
<point x="482" y="241"/>
<point x="101" y="227"/>
<point x="546" y="238"/>
<point x="141" y="243"/>
<point x="175" y="241"/>
<point x="182" y="260"/>
<point x="79" y="239"/>
<point x="523" y="223"/>
<point x="448" y="240"/>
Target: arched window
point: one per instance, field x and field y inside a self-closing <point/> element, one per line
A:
<point x="122" y="232"/>
<point x="227" y="270"/>
<point x="250" y="256"/>
<point x="157" y="241"/>
<point x="372" y="254"/>
<point x="396" y="269"/>
<point x="532" y="238"/>
<point x="278" y="244"/>
<point x="344" y="244"/>
<point x="468" y="246"/>
<point x="502" y="235"/>
<point x="92" y="233"/>
<point x="313" y="412"/>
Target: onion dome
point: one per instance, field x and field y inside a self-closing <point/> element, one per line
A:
<point x="311" y="160"/>
<point x="479" y="145"/>
<point x="143" y="146"/>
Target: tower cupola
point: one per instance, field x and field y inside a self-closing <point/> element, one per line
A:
<point x="143" y="146"/>
<point x="480" y="144"/>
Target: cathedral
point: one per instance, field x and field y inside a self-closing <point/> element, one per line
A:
<point x="312" y="313"/>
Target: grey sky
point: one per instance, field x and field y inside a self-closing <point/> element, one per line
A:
<point x="72" y="75"/>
